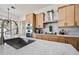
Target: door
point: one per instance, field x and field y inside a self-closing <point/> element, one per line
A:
<point x="78" y="44"/>
<point x="72" y="41"/>
<point x="77" y="15"/>
<point x="62" y="17"/>
<point x="61" y="39"/>
<point x="70" y="15"/>
<point x="41" y="18"/>
<point x="29" y="19"/>
<point x="52" y="38"/>
<point x="45" y="37"/>
<point x="37" y="21"/>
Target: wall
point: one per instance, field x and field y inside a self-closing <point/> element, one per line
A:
<point x="70" y="31"/>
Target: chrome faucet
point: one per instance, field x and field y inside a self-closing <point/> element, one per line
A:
<point x="2" y="30"/>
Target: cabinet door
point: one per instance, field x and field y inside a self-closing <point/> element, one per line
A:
<point x="45" y="37"/>
<point x="71" y="41"/>
<point x="77" y="15"/>
<point x="41" y="18"/>
<point x="70" y="15"/>
<point x="52" y="38"/>
<point x="61" y="39"/>
<point x="29" y="19"/>
<point x="62" y="19"/>
<point x="38" y="36"/>
<point x="78" y="44"/>
<point x="37" y="21"/>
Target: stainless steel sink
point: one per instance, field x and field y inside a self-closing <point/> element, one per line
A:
<point x="18" y="42"/>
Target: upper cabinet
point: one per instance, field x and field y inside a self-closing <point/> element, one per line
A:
<point x="31" y="19"/>
<point x="77" y="15"/>
<point x="62" y="18"/>
<point x="68" y="15"/>
<point x="39" y="20"/>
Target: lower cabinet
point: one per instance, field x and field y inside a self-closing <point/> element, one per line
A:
<point x="61" y="39"/>
<point x="78" y="44"/>
<point x="52" y="38"/>
<point x="72" y="41"/>
<point x="45" y="37"/>
<point x="37" y="36"/>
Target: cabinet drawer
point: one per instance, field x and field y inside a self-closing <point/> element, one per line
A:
<point x="61" y="39"/>
<point x="53" y="38"/>
<point x="45" y="37"/>
<point x="38" y="36"/>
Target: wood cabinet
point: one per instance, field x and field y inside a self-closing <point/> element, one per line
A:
<point x="77" y="15"/>
<point x="78" y="44"/>
<point x="37" y="36"/>
<point x="45" y="37"/>
<point x="39" y="20"/>
<point x="31" y="19"/>
<point x="62" y="18"/>
<point x="72" y="41"/>
<point x="61" y="39"/>
<point x="68" y="15"/>
<point x="52" y="38"/>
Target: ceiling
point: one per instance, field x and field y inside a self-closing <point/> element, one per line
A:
<point x="22" y="9"/>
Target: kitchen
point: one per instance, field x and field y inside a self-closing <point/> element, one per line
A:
<point x="52" y="26"/>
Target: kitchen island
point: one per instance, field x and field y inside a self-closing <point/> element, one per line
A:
<point x="39" y="47"/>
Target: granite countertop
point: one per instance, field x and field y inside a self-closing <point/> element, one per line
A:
<point x="61" y="35"/>
<point x="39" y="47"/>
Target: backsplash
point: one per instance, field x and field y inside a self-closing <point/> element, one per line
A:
<point x="54" y="27"/>
<point x="72" y="31"/>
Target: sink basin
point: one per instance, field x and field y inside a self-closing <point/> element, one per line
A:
<point x="18" y="43"/>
